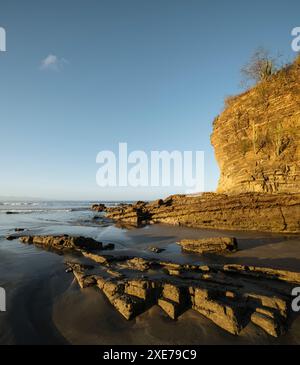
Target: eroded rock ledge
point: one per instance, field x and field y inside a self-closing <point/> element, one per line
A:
<point x="248" y="211"/>
<point x="229" y="295"/>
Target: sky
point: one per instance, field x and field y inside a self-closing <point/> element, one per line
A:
<point x="80" y="77"/>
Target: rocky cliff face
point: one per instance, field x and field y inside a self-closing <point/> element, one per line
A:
<point x="256" y="138"/>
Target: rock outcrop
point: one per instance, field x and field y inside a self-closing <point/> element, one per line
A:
<point x="248" y="211"/>
<point x="98" y="207"/>
<point x="257" y="137"/>
<point x="63" y="242"/>
<point x="11" y="237"/>
<point x="230" y="295"/>
<point x="209" y="245"/>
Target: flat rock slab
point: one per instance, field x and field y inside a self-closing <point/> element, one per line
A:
<point x="209" y="245"/>
<point x="63" y="242"/>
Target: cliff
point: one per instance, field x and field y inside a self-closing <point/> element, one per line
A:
<point x="256" y="138"/>
<point x="256" y="141"/>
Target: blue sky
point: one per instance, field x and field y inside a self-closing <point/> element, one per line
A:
<point x="153" y="74"/>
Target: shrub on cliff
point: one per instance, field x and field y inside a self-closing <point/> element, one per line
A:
<point x="260" y="67"/>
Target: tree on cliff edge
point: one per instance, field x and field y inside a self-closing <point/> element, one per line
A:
<point x="260" y="67"/>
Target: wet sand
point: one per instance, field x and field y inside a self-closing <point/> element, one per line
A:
<point x="46" y="306"/>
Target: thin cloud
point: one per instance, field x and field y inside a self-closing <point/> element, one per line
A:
<point x="52" y="62"/>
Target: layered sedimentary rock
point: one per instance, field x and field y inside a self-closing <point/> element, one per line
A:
<point x="257" y="137"/>
<point x="209" y="245"/>
<point x="231" y="299"/>
<point x="248" y="211"/>
<point x="229" y="295"/>
<point x="63" y="242"/>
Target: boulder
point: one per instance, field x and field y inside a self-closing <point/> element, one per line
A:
<point x="156" y="249"/>
<point x="11" y="237"/>
<point x="99" y="207"/>
<point x="209" y="245"/>
<point x="63" y="242"/>
<point x="109" y="246"/>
